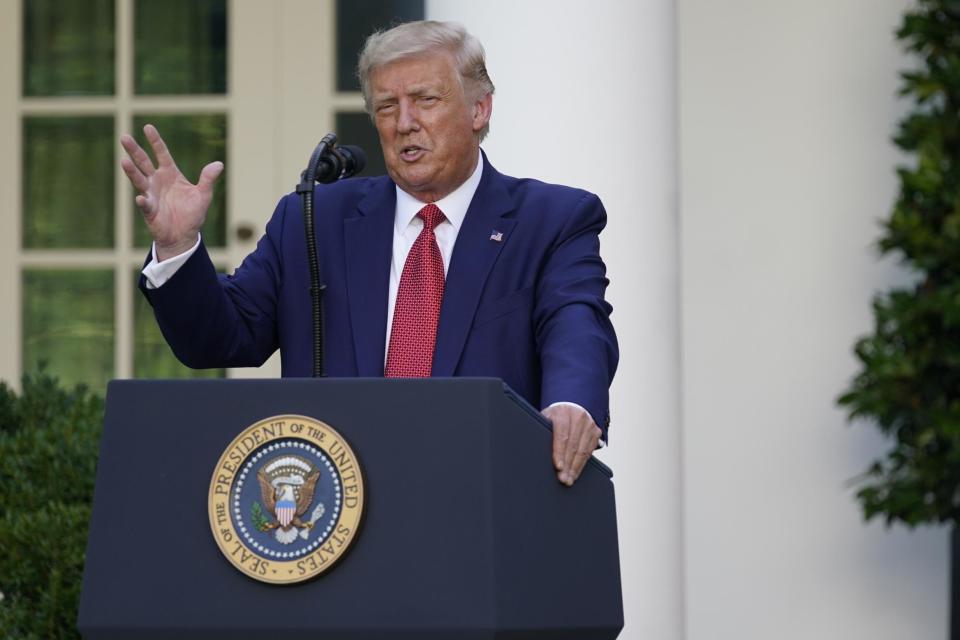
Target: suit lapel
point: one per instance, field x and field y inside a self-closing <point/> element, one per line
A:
<point x="368" y="239"/>
<point x="473" y="257"/>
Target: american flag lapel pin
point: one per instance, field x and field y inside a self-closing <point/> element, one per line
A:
<point x="496" y="236"/>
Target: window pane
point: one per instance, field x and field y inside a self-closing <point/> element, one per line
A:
<point x="68" y="47"/>
<point x="193" y="141"/>
<point x="356" y="128"/>
<point x="68" y="323"/>
<point x="68" y="182"/>
<point x="180" y="46"/>
<point x="152" y="357"/>
<point x="357" y="19"/>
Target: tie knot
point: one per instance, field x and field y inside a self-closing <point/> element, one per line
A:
<point x="432" y="216"/>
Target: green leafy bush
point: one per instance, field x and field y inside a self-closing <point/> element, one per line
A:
<point x="49" y="438"/>
<point x="909" y="384"/>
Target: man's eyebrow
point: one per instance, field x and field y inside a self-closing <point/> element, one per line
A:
<point x="420" y="89"/>
<point x="386" y="96"/>
<point x="413" y="90"/>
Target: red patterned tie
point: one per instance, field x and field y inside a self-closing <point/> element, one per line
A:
<point x="417" y="310"/>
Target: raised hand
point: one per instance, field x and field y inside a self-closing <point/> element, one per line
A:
<point x="173" y="207"/>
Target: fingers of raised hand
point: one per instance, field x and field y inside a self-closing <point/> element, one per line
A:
<point x="143" y="203"/>
<point x="138" y="168"/>
<point x="160" y="150"/>
<point x="209" y="175"/>
<point x="139" y="157"/>
<point x="137" y="179"/>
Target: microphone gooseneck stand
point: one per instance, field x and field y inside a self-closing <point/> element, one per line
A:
<point x="328" y="163"/>
<point x="307" y="180"/>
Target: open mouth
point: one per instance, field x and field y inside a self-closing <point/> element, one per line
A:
<point x="412" y="152"/>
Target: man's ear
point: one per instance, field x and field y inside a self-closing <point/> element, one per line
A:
<point x="482" y="109"/>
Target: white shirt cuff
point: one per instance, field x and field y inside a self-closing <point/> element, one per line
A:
<point x="157" y="272"/>
<point x="602" y="443"/>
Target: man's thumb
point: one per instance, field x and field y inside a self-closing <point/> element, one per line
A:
<point x="209" y="175"/>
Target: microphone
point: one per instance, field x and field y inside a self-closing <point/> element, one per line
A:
<point x="338" y="162"/>
<point x="328" y="163"/>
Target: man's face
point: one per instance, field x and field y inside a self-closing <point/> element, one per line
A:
<point x="428" y="129"/>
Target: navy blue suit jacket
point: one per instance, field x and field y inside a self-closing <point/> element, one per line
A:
<point x="528" y="308"/>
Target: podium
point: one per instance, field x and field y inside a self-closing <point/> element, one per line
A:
<point x="466" y="532"/>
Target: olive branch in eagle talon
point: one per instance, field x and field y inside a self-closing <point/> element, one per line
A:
<point x="259" y="520"/>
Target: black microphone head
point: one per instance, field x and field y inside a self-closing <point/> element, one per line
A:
<point x="354" y="159"/>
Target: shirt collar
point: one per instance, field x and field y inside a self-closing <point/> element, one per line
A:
<point x="454" y="205"/>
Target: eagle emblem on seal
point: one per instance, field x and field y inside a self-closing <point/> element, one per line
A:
<point x="287" y="486"/>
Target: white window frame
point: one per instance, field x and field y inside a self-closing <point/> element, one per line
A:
<point x="277" y="109"/>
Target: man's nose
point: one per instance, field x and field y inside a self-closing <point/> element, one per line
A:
<point x="407" y="120"/>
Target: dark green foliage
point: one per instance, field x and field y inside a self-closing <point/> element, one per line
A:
<point x="910" y="381"/>
<point x="49" y="439"/>
<point x="257" y="518"/>
<point x="181" y="47"/>
<point x="68" y="47"/>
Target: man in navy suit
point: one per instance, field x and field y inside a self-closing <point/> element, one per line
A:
<point x="510" y="267"/>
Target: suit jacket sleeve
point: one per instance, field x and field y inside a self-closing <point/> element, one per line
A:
<point x="212" y="320"/>
<point x="577" y="344"/>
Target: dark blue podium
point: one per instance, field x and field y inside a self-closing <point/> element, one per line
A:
<point x="466" y="532"/>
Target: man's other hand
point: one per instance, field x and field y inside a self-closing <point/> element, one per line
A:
<point x="575" y="437"/>
<point x="173" y="207"/>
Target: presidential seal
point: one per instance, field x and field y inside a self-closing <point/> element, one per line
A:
<point x="286" y="499"/>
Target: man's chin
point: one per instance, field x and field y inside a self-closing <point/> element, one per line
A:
<point x="415" y="184"/>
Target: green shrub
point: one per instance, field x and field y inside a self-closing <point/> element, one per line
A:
<point x="49" y="438"/>
<point x="909" y="383"/>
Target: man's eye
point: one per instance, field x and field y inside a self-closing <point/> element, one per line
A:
<point x="428" y="99"/>
<point x="385" y="108"/>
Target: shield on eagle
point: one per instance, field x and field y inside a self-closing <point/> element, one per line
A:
<point x="287" y="485"/>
